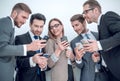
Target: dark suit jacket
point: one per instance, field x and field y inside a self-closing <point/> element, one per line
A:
<point x="25" y="72"/>
<point x="109" y="36"/>
<point x="87" y="66"/>
<point x="8" y="50"/>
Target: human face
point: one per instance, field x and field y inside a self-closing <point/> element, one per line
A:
<point x="56" y="29"/>
<point x="78" y="26"/>
<point x="20" y="18"/>
<point x="37" y="27"/>
<point x="88" y="13"/>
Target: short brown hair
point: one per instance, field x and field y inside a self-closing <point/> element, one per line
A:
<point x="22" y="6"/>
<point x="93" y="4"/>
<point x="78" y="17"/>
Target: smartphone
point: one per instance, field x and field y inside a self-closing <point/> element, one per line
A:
<point x="45" y="38"/>
<point x="84" y="41"/>
<point x="46" y="55"/>
<point x="64" y="38"/>
<point x="79" y="45"/>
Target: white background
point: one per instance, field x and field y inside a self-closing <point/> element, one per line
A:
<point x="62" y="9"/>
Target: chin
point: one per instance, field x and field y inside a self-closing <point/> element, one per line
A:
<point x="89" y="22"/>
<point x="18" y="25"/>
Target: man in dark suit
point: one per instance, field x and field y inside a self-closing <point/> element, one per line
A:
<point x="8" y="50"/>
<point x="28" y="66"/>
<point x="109" y="36"/>
<point x="86" y="61"/>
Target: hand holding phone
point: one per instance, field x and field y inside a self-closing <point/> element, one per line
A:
<point x="79" y="45"/>
<point x="84" y="41"/>
<point x="45" y="37"/>
<point x="64" y="38"/>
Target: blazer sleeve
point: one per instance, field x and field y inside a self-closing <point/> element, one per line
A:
<point x="7" y="39"/>
<point x="79" y="65"/>
<point x="50" y="49"/>
<point x="112" y="22"/>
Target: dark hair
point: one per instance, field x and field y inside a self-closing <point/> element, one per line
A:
<point x="49" y="30"/>
<point x="37" y="16"/>
<point x="78" y="17"/>
<point x="22" y="6"/>
<point x="93" y="4"/>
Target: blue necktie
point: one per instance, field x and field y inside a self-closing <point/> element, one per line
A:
<point x="37" y="51"/>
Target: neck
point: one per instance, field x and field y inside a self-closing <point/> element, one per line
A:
<point x="86" y="31"/>
<point x="97" y="17"/>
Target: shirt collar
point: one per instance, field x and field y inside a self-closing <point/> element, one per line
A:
<point x="13" y="25"/>
<point x="88" y="32"/>
<point x="31" y="35"/>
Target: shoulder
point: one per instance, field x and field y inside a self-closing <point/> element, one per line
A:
<point x="111" y="15"/>
<point x="22" y="36"/>
<point x="5" y="23"/>
<point x="50" y="41"/>
<point x="5" y="20"/>
<point x="75" y="39"/>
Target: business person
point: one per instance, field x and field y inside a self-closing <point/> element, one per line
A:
<point x="28" y="65"/>
<point x="8" y="50"/>
<point x="109" y="36"/>
<point x="59" y="62"/>
<point x="88" y="62"/>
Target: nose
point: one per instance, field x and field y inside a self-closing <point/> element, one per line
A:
<point x="54" y="28"/>
<point x="39" y="29"/>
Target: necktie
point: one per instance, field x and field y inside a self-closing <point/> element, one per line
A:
<point x="37" y="51"/>
<point x="37" y="38"/>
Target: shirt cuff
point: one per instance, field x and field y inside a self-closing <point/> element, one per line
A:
<point x="78" y="61"/>
<point x="54" y="58"/>
<point x="32" y="64"/>
<point x="25" y="50"/>
<point x="43" y="69"/>
<point x="99" y="45"/>
<point x="69" y="62"/>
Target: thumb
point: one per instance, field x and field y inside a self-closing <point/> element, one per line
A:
<point x="38" y="54"/>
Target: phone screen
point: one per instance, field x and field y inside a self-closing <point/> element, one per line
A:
<point x="64" y="38"/>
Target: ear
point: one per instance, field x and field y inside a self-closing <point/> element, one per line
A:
<point x="14" y="14"/>
<point x="30" y="25"/>
<point x="96" y="10"/>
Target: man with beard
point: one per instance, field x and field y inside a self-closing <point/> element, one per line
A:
<point x="29" y="69"/>
<point x="8" y="50"/>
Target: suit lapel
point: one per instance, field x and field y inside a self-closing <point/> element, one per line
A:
<point x="100" y="27"/>
<point x="28" y="37"/>
<point x="95" y="35"/>
<point x="80" y="37"/>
